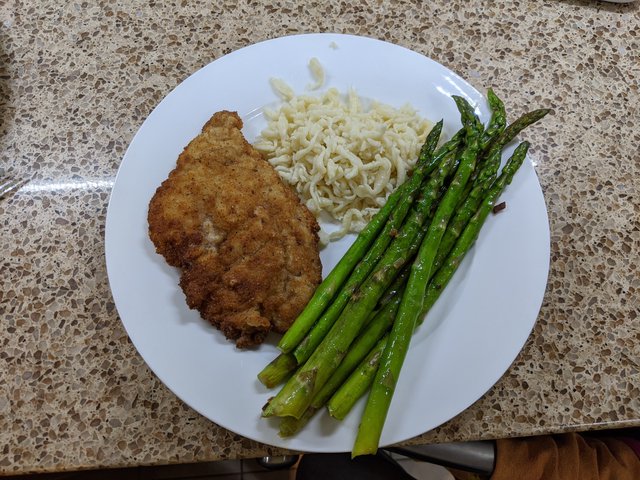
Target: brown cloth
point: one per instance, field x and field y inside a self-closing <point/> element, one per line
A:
<point x="568" y="456"/>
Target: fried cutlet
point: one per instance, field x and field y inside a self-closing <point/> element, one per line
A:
<point x="246" y="247"/>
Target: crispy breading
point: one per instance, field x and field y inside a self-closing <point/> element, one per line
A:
<point x="247" y="248"/>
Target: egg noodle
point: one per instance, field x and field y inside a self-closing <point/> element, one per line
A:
<point x="342" y="158"/>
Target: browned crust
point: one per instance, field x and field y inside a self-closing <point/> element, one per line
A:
<point x="247" y="248"/>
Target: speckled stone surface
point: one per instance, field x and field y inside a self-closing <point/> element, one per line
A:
<point x="78" y="78"/>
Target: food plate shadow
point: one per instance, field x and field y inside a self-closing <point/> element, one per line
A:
<point x="328" y="425"/>
<point x="272" y="422"/>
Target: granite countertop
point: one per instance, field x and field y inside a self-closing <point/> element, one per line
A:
<point x="77" y="81"/>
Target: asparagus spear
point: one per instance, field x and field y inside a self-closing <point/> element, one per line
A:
<point x="476" y="190"/>
<point x="289" y="426"/>
<point x="380" y="323"/>
<point x="496" y="127"/>
<point x="391" y="362"/>
<point x="346" y="390"/>
<point x="332" y="283"/>
<point x="376" y="329"/>
<point x="470" y="233"/>
<point x="352" y="390"/>
<point x="284" y="364"/>
<point x="470" y="122"/>
<point x="496" y="136"/>
<point x="466" y="208"/>
<point x="358" y="382"/>
<point x="498" y="119"/>
<point x="296" y="395"/>
<point x="514" y="129"/>
<point x="278" y="370"/>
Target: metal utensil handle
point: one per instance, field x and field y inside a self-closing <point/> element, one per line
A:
<point x="475" y="457"/>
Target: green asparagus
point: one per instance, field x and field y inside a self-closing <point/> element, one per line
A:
<point x="296" y="395"/>
<point x="278" y="370"/>
<point x="357" y="383"/>
<point x="327" y="290"/>
<point x="391" y="362"/>
<point x="361" y="346"/>
<point x="476" y="190"/>
<point x="498" y="119"/>
<point x="470" y="233"/>
<point x="442" y="276"/>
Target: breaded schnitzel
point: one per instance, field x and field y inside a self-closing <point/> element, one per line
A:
<point x="247" y="248"/>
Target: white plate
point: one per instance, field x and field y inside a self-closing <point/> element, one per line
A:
<point x="470" y="337"/>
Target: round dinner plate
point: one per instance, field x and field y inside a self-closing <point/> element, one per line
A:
<point x="467" y="341"/>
